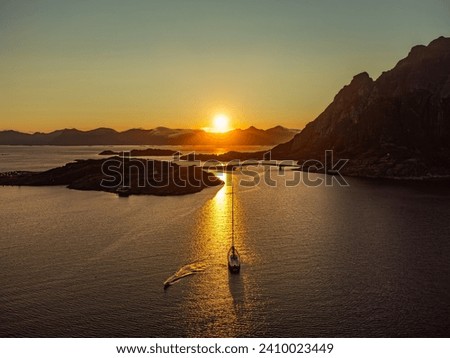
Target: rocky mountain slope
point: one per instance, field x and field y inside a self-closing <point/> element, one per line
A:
<point x="396" y="126"/>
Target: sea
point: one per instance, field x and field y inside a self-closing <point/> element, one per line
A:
<point x="367" y="259"/>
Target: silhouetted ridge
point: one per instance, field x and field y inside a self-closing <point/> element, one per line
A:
<point x="156" y="136"/>
<point x="396" y="126"/>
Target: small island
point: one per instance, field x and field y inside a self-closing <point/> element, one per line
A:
<point x="116" y="175"/>
<point x="141" y="152"/>
<point x="225" y="157"/>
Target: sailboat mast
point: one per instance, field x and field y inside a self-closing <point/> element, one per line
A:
<point x="232" y="212"/>
<point x="234" y="263"/>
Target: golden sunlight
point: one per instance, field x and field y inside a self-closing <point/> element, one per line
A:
<point x="221" y="123"/>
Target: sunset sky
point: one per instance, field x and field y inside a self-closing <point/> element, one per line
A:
<point x="177" y="63"/>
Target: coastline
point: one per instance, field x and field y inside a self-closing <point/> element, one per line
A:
<point x="142" y="177"/>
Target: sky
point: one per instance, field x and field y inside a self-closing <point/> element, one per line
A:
<point x="177" y="63"/>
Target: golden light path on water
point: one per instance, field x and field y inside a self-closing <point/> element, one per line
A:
<point x="225" y="303"/>
<point x="316" y="260"/>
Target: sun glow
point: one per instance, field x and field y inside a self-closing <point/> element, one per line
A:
<point x="221" y="123"/>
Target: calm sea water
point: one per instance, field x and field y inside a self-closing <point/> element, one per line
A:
<point x="38" y="158"/>
<point x="371" y="259"/>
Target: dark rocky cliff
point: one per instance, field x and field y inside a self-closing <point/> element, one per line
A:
<point x="141" y="176"/>
<point x="396" y="126"/>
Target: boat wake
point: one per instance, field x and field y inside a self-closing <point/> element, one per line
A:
<point x="187" y="270"/>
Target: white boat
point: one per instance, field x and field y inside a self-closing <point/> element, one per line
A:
<point x="234" y="260"/>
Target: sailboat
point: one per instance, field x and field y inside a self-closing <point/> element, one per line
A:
<point x="234" y="261"/>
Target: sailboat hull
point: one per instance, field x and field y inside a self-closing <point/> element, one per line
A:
<point x="234" y="261"/>
<point x="234" y="269"/>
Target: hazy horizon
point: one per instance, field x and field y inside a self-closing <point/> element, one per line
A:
<point x="141" y="128"/>
<point x="146" y="64"/>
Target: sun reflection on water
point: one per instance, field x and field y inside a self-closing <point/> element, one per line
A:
<point x="224" y="308"/>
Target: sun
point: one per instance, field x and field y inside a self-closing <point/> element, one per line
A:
<point x="221" y="123"/>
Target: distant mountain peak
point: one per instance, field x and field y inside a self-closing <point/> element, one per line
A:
<point x="361" y="81"/>
<point x="103" y="129"/>
<point x="70" y="130"/>
<point x="10" y="131"/>
<point x="361" y="85"/>
<point x="362" y="77"/>
<point x="158" y="136"/>
<point x="416" y="50"/>
<point x="441" y="41"/>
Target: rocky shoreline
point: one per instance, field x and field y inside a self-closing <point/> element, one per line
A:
<point x="138" y="176"/>
<point x="141" y="152"/>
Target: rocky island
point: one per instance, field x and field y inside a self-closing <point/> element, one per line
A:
<point x="225" y="157"/>
<point x="148" y="152"/>
<point x="136" y="176"/>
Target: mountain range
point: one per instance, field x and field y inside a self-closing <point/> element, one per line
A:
<point x="157" y="136"/>
<point x="395" y="126"/>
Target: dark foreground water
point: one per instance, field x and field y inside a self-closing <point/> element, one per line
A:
<point x="372" y="259"/>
